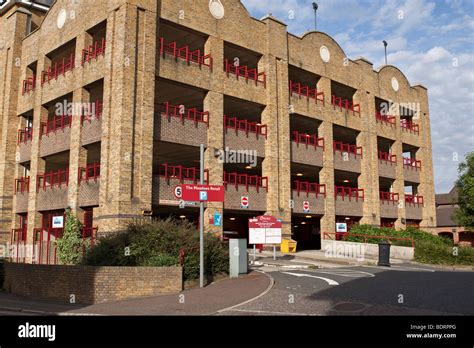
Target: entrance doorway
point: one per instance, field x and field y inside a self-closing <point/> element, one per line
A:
<point x="306" y="230"/>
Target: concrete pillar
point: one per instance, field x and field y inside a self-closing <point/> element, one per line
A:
<point x="128" y="116"/>
<point x="277" y="163"/>
<point x="326" y="177"/>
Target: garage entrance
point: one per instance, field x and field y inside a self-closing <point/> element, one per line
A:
<point x="306" y="230"/>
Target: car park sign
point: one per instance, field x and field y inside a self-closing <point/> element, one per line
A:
<point x="200" y="193"/>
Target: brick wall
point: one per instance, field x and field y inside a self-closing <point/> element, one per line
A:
<point x="387" y="169"/>
<point x="21" y="202"/>
<point x="24" y="150"/>
<point x="91" y="131"/>
<point x="389" y="209"/>
<point x="353" y="164"/>
<point x="90" y="284"/>
<point x="89" y="193"/>
<point x="172" y="129"/>
<point x="52" y="198"/>
<point x="300" y="153"/>
<point x="316" y="204"/>
<point x="55" y="142"/>
<point x="349" y="207"/>
<point x="411" y="174"/>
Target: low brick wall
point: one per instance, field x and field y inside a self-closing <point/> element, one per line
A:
<point x="89" y="284"/>
<point x="366" y="249"/>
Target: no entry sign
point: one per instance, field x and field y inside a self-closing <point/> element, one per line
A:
<point x="306" y="206"/>
<point x="200" y="193"/>
<point x="244" y="202"/>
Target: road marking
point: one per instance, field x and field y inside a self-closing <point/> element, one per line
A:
<point x="401" y="268"/>
<point x="268" y="312"/>
<point x="329" y="281"/>
<point x="348" y="273"/>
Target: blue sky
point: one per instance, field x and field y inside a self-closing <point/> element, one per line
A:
<point x="432" y="42"/>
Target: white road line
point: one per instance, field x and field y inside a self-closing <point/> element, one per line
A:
<point x="348" y="273"/>
<point x="401" y="268"/>
<point x="266" y="312"/>
<point x="329" y="281"/>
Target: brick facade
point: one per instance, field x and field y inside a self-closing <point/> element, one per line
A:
<point x="90" y="285"/>
<point x="133" y="77"/>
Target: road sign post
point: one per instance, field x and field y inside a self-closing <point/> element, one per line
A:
<point x="201" y="222"/>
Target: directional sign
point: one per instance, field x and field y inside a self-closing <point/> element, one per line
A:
<point x="306" y="206"/>
<point x="217" y="219"/>
<point x="200" y="193"/>
<point x="244" y="202"/>
<point x="265" y="229"/>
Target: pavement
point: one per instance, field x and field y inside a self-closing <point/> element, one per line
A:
<point x="216" y="297"/>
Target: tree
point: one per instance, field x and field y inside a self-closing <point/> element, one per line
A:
<point x="69" y="247"/>
<point x="465" y="186"/>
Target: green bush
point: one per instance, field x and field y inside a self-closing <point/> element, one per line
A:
<point x="158" y="243"/>
<point x="429" y="248"/>
<point x="69" y="247"/>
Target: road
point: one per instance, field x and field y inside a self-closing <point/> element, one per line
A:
<point x="364" y="290"/>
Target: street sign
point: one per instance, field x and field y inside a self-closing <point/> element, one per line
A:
<point x="341" y="227"/>
<point x="306" y="206"/>
<point x="217" y="219"/>
<point x="265" y="229"/>
<point x="244" y="202"/>
<point x="178" y="192"/>
<point x="200" y="193"/>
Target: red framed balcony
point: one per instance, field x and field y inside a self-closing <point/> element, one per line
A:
<point x="28" y="85"/>
<point x="412" y="163"/>
<point x="307" y="92"/>
<point x="237" y="179"/>
<point x="347" y="148"/>
<point x="95" y="113"/>
<point x="339" y="102"/>
<point x="246" y="73"/>
<point x="387" y="157"/>
<point x="181" y="174"/>
<point x="25" y="135"/>
<point x="410" y="126"/>
<point x="168" y="110"/>
<point x="56" y="178"/>
<point x="387" y="119"/>
<point x="22" y="185"/>
<point x="57" y="123"/>
<point x="305" y="187"/>
<point x="349" y="193"/>
<point x="245" y="126"/>
<point x="93" y="51"/>
<point x="389" y="197"/>
<point x="307" y="139"/>
<point x="58" y="69"/>
<point x="91" y="172"/>
<point x="414" y="200"/>
<point x="184" y="53"/>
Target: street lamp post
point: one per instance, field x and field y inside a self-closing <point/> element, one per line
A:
<point x="385" y="45"/>
<point x="315" y="8"/>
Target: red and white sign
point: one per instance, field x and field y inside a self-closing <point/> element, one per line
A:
<point x="197" y="193"/>
<point x="244" y="202"/>
<point x="265" y="229"/>
<point x="306" y="206"/>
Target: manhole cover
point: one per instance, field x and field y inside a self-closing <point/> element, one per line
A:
<point x="348" y="307"/>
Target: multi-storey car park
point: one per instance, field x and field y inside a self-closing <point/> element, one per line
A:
<point x="336" y="140"/>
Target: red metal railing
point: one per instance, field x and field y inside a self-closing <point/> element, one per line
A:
<point x="245" y="72"/>
<point x="22" y="185"/>
<point x="18" y="241"/>
<point x="306" y="91"/>
<point x="49" y="180"/>
<point x="185" y="54"/>
<point x="366" y="237"/>
<point x="93" y="51"/>
<point x="56" y="123"/>
<point x="385" y="118"/>
<point x="25" y="135"/>
<point x="95" y="113"/>
<point x="409" y="126"/>
<point x="306" y="187"/>
<point x="343" y="147"/>
<point x="246" y="180"/>
<point x="389" y="197"/>
<point x="387" y="157"/>
<point x="60" y="68"/>
<point x="90" y="172"/>
<point x="414" y="199"/>
<point x="349" y="192"/>
<point x="181" y="173"/>
<point x="307" y="139"/>
<point x="345" y="104"/>
<point x="245" y="126"/>
<point x="28" y="85"/>
<point x="413" y="163"/>
<point x="168" y="110"/>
